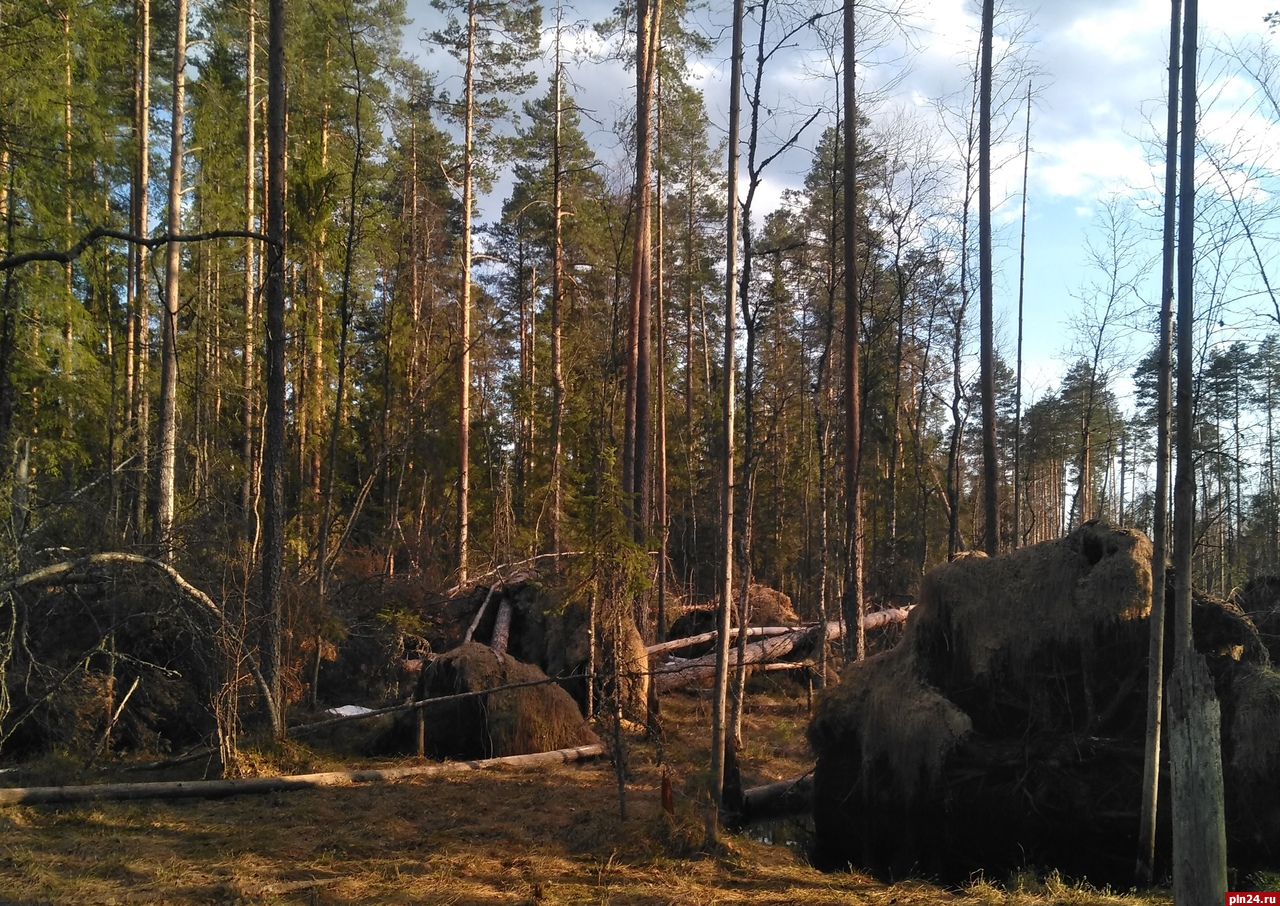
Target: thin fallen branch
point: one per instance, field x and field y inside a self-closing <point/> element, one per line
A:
<point x="506" y="568"/>
<point x="100" y="232"/>
<point x="208" y="789"/>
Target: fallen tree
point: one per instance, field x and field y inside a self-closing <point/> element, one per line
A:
<point x="80" y="569"/>
<point x="681" y="672"/>
<point x="211" y="789"/>
<point x="1006" y="728"/>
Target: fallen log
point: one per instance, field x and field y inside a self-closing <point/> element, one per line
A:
<point x="213" y="789"/>
<point x="688" y="641"/>
<point x="677" y="672"/>
<point x="793" y="796"/>
<point x="785" y="665"/>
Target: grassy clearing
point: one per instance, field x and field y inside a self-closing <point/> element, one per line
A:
<point x="500" y="837"/>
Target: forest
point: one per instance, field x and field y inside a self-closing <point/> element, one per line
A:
<point x="273" y="353"/>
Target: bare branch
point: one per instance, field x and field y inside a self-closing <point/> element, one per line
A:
<point x="102" y="232"/>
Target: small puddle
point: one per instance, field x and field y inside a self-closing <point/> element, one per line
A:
<point x="792" y="831"/>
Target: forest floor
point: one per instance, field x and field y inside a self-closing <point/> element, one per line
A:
<point x="509" y="836"/>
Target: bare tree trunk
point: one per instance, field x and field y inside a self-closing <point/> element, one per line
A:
<point x="689" y="227"/>
<point x="1199" y="844"/>
<point x="139" y="331"/>
<point x="344" y="327"/>
<point x="273" y="449"/>
<point x="165" y="478"/>
<point x="853" y="603"/>
<point x="464" y="307"/>
<point x="991" y="525"/>
<point x="822" y="415"/>
<point x="557" y="359"/>
<point x="248" y="380"/>
<point x="635" y="460"/>
<point x="1159" y="541"/>
<point x="719" y="721"/>
<point x="660" y="491"/>
<point x="1017" y="391"/>
<point x="68" y="300"/>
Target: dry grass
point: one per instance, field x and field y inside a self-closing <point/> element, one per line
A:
<point x="506" y="836"/>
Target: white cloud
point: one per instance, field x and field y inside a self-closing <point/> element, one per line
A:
<point x="1090" y="166"/>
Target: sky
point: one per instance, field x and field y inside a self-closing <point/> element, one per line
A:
<point x="1100" y="70"/>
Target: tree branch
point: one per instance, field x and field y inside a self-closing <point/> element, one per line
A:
<point x="102" y="232"/>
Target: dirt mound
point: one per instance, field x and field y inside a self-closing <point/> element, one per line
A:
<point x="1006" y="728"/>
<point x="511" y="722"/>
<point x="1259" y="600"/>
<point x="555" y="635"/>
<point x="769" y="607"/>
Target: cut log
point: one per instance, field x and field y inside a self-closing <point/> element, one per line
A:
<point x="212" y="789"/>
<point x="676" y="672"/>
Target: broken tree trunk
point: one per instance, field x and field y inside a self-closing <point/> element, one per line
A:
<point x="206" y="789"/>
<point x="1195" y="761"/>
<point x="678" y="673"/>
<point x="502" y="629"/>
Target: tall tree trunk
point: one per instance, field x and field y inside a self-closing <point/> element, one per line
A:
<point x="689" y="228"/>
<point x="557" y="355"/>
<point x="7" y="344"/>
<point x="635" y="454"/>
<point x="991" y="524"/>
<point x="273" y="442"/>
<point x="955" y="448"/>
<point x="464" y="307"/>
<point x="660" y="489"/>
<point x="719" y="718"/>
<point x="165" y="476"/>
<point x="823" y="405"/>
<point x="68" y="300"/>
<point x="344" y="325"/>
<point x="1195" y="756"/>
<point x="139" y="331"/>
<point x="1017" y="390"/>
<point x="248" y="380"/>
<point x="853" y="603"/>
